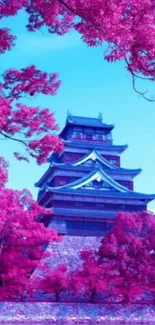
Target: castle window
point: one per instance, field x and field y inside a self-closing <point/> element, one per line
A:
<point x="113" y="162"/>
<point x="78" y="135"/>
<point x="69" y="158"/>
<point x="100" y="205"/>
<point x="100" y="137"/>
<point x="79" y="204"/>
<point x="61" y="182"/>
<point x="89" y="136"/>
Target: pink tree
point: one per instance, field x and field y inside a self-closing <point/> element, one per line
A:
<point x="53" y="281"/>
<point x="22" y="239"/>
<point x="90" y="280"/>
<point x="33" y="127"/>
<point x="123" y="269"/>
<point x="128" y="251"/>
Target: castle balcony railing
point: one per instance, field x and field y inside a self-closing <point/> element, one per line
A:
<point x="93" y="141"/>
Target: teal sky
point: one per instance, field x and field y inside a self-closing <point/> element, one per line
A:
<point x="89" y="86"/>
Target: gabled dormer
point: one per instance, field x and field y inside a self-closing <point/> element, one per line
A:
<point x="96" y="179"/>
<point x="92" y="158"/>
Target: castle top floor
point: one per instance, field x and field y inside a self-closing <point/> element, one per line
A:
<point x="79" y="128"/>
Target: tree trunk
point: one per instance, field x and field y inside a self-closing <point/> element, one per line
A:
<point x="93" y="296"/>
<point x="126" y="299"/>
<point x="1" y="282"/>
<point x="57" y="296"/>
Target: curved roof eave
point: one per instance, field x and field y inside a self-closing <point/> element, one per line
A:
<point x="92" y="145"/>
<point x="89" y="167"/>
<point x="94" y="174"/>
<point x="39" y="183"/>
<point x="92" y="192"/>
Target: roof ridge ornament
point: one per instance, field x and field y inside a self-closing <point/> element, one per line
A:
<point x="69" y="116"/>
<point x="100" y="117"/>
<point x="68" y="113"/>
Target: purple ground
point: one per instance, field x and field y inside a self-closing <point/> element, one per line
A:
<point x="75" y="313"/>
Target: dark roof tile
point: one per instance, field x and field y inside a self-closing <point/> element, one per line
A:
<point x="88" y="121"/>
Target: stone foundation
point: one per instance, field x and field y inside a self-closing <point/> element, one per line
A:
<point x="68" y="251"/>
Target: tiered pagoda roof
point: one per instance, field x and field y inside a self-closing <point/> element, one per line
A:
<point x="86" y="180"/>
<point x="82" y="166"/>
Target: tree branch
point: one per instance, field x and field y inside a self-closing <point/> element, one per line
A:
<point x="99" y="28"/>
<point x="140" y="92"/>
<point x="14" y="139"/>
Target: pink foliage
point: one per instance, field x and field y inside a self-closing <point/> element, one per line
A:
<point x="126" y="26"/>
<point x="90" y="280"/>
<point x="123" y="269"/>
<point x="37" y="126"/>
<point x="54" y="281"/>
<point x="128" y="251"/>
<point x="22" y="239"/>
<point x="3" y="173"/>
<point x="7" y="41"/>
<point x="30" y="81"/>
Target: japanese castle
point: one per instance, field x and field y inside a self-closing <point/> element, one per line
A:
<point x="85" y="186"/>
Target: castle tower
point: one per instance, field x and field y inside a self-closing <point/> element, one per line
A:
<point x="85" y="186"/>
